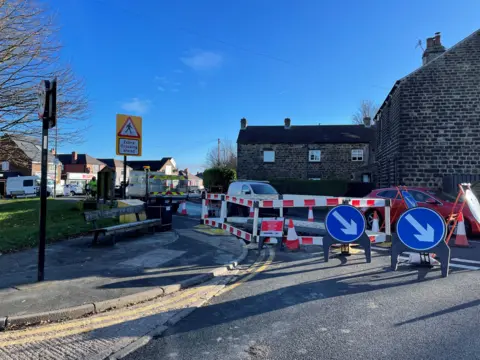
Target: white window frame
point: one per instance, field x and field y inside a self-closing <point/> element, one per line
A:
<point x="268" y="159"/>
<point x="314" y="153"/>
<point x="357" y="155"/>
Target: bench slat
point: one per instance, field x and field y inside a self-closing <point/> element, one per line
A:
<point x="112" y="213"/>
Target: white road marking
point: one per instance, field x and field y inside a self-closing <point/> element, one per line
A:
<point x="467" y="267"/>
<point x="465" y="261"/>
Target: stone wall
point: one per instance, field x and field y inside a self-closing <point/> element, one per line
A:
<point x="291" y="161"/>
<point x="432" y="128"/>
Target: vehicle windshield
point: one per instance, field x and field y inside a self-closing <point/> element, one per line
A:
<point x="443" y="195"/>
<point x="263" y="189"/>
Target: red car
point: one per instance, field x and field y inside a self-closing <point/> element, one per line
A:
<point x="435" y="200"/>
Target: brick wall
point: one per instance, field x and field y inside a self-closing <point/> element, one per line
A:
<point x="432" y="128"/>
<point x="291" y="161"/>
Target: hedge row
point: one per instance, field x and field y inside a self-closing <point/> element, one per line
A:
<point x="322" y="187"/>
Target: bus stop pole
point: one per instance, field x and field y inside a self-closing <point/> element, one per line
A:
<point x="43" y="202"/>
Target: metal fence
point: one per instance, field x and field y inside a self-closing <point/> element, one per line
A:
<point x="450" y="182"/>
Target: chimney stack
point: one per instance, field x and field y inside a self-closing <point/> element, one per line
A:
<point x="243" y="124"/>
<point x="287" y="123"/>
<point x="367" y="121"/>
<point x="74" y="157"/>
<point x="433" y="50"/>
<point x="52" y="151"/>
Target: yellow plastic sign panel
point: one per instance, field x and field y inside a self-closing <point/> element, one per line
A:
<point x="129" y="135"/>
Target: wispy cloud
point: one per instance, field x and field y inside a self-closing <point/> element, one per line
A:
<point x="137" y="106"/>
<point x="175" y="90"/>
<point x="161" y="88"/>
<point x="202" y="60"/>
<point x="178" y="71"/>
<point x="161" y="79"/>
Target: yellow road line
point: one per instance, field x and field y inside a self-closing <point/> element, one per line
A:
<point x="173" y="304"/>
<point x="74" y="327"/>
<point x="105" y="317"/>
<point x="254" y="272"/>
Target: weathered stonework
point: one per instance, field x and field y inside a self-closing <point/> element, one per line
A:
<point x="291" y="161"/>
<point x="429" y="126"/>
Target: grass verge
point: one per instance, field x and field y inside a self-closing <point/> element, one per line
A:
<point x="19" y="222"/>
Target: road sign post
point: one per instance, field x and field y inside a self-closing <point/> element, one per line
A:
<point x="421" y="230"/>
<point x="47" y="112"/>
<point x="128" y="141"/>
<point x="345" y="224"/>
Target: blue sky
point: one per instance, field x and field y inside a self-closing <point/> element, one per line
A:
<point x="193" y="68"/>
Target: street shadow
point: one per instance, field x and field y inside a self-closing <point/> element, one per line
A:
<point x="442" y="312"/>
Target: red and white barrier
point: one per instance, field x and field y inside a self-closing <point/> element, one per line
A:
<point x="288" y="201"/>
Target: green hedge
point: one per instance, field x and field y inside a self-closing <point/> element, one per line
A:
<point x="322" y="187"/>
<point x="218" y="177"/>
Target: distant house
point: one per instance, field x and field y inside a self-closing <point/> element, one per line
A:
<point x="166" y="165"/>
<point x="304" y="152"/>
<point x="117" y="167"/>
<point x="21" y="155"/>
<point x="79" y="168"/>
<point x="194" y="181"/>
<point x="428" y="127"/>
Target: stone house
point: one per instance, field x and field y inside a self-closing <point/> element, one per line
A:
<point x="428" y="127"/>
<point x="118" y="168"/>
<point x="304" y="151"/>
<point x="20" y="155"/>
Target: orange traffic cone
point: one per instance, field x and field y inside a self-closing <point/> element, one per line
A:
<point x="292" y="242"/>
<point x="252" y="213"/>
<point x="184" y="208"/>
<point x="375" y="225"/>
<point x="461" y="235"/>
<point x="310" y="214"/>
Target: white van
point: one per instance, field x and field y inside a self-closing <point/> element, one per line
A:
<point x="22" y="186"/>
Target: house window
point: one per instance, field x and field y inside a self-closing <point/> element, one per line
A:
<point x="357" y="155"/>
<point x="314" y="155"/>
<point x="268" y="156"/>
<point x="51" y="167"/>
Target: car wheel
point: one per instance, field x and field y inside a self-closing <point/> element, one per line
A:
<point x="72" y="193"/>
<point x="369" y="218"/>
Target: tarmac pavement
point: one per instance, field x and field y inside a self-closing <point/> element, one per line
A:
<point x="78" y="273"/>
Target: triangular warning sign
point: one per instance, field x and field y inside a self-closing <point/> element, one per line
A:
<point x="129" y="130"/>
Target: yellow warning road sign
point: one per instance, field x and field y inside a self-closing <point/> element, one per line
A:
<point x="129" y="135"/>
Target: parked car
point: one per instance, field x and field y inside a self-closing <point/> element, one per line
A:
<point x="255" y="190"/>
<point x="435" y="200"/>
<point x="76" y="189"/>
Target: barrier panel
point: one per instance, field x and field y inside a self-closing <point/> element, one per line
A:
<point x="249" y="227"/>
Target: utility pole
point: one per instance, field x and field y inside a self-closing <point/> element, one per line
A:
<point x="55" y="162"/>
<point x="218" y="153"/>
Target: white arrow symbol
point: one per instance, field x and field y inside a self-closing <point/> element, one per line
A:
<point x="426" y="235"/>
<point x="349" y="229"/>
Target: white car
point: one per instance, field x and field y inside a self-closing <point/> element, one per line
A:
<point x="255" y="190"/>
<point x="75" y="189"/>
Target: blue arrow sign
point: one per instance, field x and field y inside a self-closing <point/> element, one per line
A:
<point x="421" y="228"/>
<point x="345" y="223"/>
<point x="409" y="200"/>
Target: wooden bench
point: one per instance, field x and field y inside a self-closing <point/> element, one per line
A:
<point x="93" y="216"/>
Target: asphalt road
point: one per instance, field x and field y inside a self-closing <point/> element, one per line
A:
<point x="303" y="308"/>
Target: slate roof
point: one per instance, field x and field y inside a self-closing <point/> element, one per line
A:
<point x="82" y="159"/>
<point x="155" y="165"/>
<point x="112" y="163"/>
<point x="31" y="146"/>
<point x="306" y="134"/>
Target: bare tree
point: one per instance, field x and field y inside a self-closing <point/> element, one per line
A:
<point x="29" y="52"/>
<point x="367" y="108"/>
<point x="222" y="155"/>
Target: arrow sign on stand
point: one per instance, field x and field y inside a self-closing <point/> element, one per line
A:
<point x="349" y="229"/>
<point x="345" y="223"/>
<point x="426" y="235"/>
<point x="421" y="228"/>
